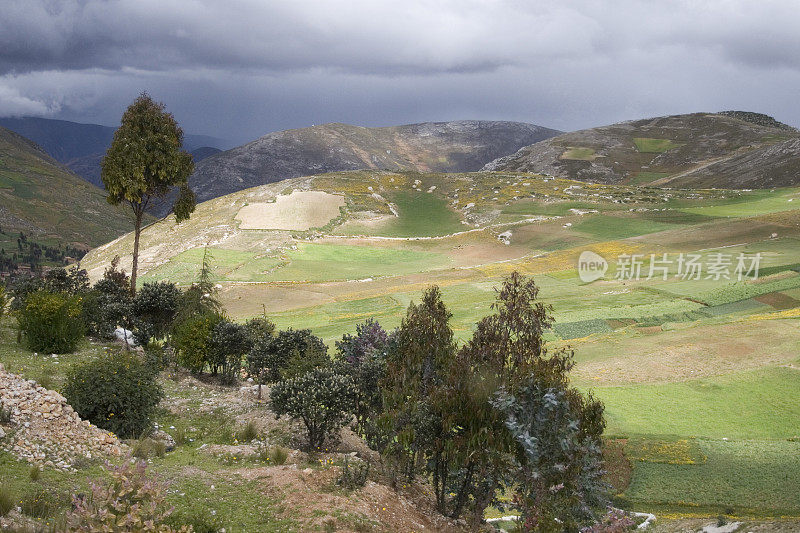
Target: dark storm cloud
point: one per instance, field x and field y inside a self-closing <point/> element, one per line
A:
<point x="240" y="68"/>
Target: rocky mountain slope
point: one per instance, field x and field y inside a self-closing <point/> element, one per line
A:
<point x="81" y="146"/>
<point x="432" y="146"/>
<point x="41" y="198"/>
<point x="732" y="149"/>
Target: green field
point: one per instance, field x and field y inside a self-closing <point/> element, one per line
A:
<point x="419" y="214"/>
<point x="654" y="146"/>
<point x="580" y="154"/>
<point x="694" y="360"/>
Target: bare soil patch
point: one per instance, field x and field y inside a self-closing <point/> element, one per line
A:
<point x="300" y="210"/>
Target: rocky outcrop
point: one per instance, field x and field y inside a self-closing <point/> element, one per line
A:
<point x="45" y="430"/>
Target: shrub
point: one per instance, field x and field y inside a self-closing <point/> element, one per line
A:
<point x="191" y="339"/>
<point x="34" y="473"/>
<point x="303" y="362"/>
<point x="156" y="357"/>
<point x="363" y="357"/>
<point x="278" y="455"/>
<point x="5" y="414"/>
<point x="38" y="504"/>
<point x="7" y="500"/>
<point x="51" y="322"/>
<point x="354" y="475"/>
<point x="370" y="341"/>
<point x="559" y="469"/>
<point x="106" y="307"/>
<point x="132" y="501"/>
<point x="248" y="433"/>
<point x="229" y="343"/>
<point x="2" y="300"/>
<point x="283" y="346"/>
<point x="322" y="399"/>
<point x="145" y="448"/>
<point x="262" y="364"/>
<point x="117" y="392"/>
<point x="68" y="281"/>
<point x="260" y="328"/>
<point x="155" y="307"/>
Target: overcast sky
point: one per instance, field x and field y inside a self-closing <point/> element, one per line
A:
<point x="241" y="68"/>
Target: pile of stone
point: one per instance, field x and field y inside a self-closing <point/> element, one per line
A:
<point x="45" y="430"/>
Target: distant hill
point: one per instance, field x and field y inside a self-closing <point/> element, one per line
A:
<point x="42" y="199"/>
<point x="82" y="146"/>
<point x="428" y="147"/>
<point x="731" y="149"/>
<point x="88" y="167"/>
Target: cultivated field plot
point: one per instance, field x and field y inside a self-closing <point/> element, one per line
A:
<point x="299" y="210"/>
<point x="712" y="362"/>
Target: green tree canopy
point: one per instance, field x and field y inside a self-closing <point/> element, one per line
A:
<point x="144" y="162"/>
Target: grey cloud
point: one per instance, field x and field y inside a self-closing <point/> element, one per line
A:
<point x="241" y="68"/>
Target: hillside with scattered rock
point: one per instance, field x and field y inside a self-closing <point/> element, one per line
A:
<point x="732" y="149"/>
<point x="459" y="146"/>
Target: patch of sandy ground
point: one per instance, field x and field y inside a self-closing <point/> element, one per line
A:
<point x="300" y="210"/>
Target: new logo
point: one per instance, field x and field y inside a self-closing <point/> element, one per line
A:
<point x="591" y="266"/>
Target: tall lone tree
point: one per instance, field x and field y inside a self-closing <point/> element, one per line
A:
<point x="144" y="162"/>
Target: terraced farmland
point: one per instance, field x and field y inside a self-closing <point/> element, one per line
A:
<point x="712" y="360"/>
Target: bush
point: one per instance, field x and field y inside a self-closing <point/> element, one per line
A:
<point x="51" y="322"/>
<point x="363" y="357"/>
<point x="117" y="392"/>
<point x="259" y="328"/>
<point x="39" y="503"/>
<point x="109" y="304"/>
<point x="7" y="500"/>
<point x="262" y="363"/>
<point x="191" y="339"/>
<point x="5" y="414"/>
<point x="283" y="346"/>
<point x="557" y="438"/>
<point x="248" y="433"/>
<point x="370" y="341"/>
<point x="322" y="399"/>
<point x="229" y="343"/>
<point x="130" y="502"/>
<point x="303" y="362"/>
<point x="353" y="476"/>
<point x="2" y="300"/>
<point x="155" y="307"/>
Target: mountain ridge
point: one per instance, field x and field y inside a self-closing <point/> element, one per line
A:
<point x="454" y="146"/>
<point x="730" y="149"/>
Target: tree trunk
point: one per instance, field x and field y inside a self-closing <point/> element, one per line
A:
<point x="136" y="231"/>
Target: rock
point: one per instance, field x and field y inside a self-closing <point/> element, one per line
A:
<point x="166" y="438"/>
<point x="2" y="433"/>
<point x="122" y="334"/>
<point x="47" y="429"/>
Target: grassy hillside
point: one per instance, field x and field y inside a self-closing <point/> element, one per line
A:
<point x="48" y="203"/>
<point x="732" y="149"/>
<point x="703" y="368"/>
